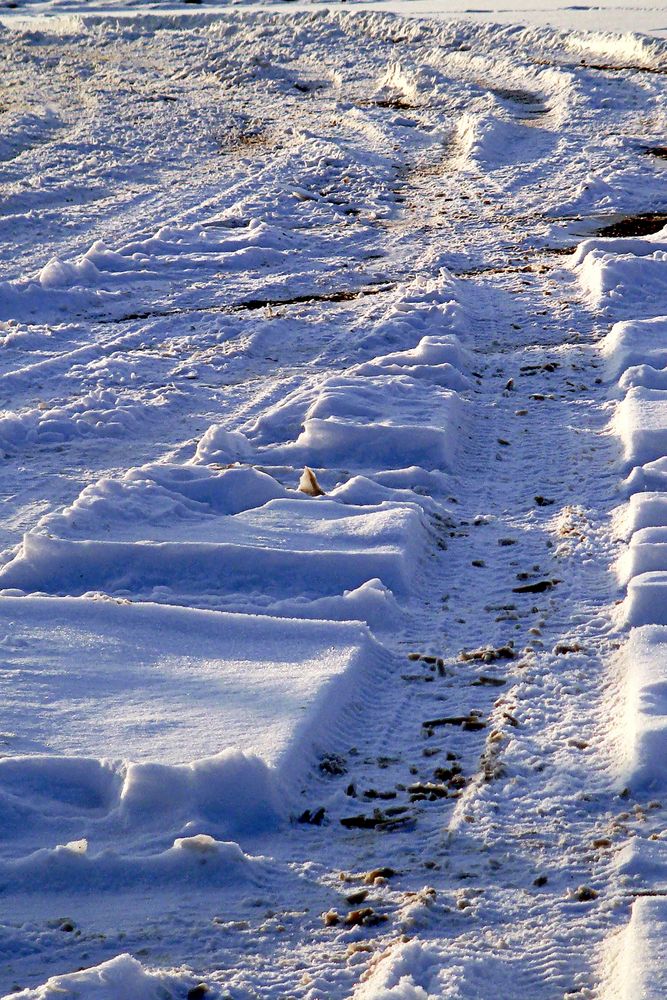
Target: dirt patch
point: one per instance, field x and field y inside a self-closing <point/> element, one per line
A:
<point x="630" y="67"/>
<point x="643" y="224"/>
<point x="659" y="151"/>
<point x="397" y="103"/>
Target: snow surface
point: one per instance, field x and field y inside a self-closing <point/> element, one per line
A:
<point x="334" y="503"/>
<point x="146" y="684"/>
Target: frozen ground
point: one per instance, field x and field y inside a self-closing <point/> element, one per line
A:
<point x="334" y="509"/>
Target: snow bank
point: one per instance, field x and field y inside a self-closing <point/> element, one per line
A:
<point x="220" y="446"/>
<point x="420" y="970"/>
<point x="361" y="403"/>
<point x="635" y="342"/>
<point x="23" y="130"/>
<point x="647" y="552"/>
<point x="427" y="307"/>
<point x="645" y="730"/>
<point x="163" y="496"/>
<point x="629" y="272"/>
<point x="103" y="279"/>
<point x="286" y="548"/>
<point x="651" y="477"/>
<point x="646" y="601"/>
<point x="372" y="603"/>
<point x="487" y="141"/>
<point x="620" y="48"/>
<point x="384" y="445"/>
<point x="643" y="510"/>
<point x="641" y="967"/>
<point x="408" y="972"/>
<point x="197" y="860"/>
<point x="438" y="360"/>
<point x="120" y="977"/>
<point x="235" y="792"/>
<point x="254" y="699"/>
<point x="640" y="422"/>
<point x="362" y="491"/>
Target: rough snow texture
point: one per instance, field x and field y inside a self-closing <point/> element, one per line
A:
<point x="628" y="277"/>
<point x="242" y="245"/>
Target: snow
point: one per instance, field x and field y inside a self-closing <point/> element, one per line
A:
<point x="636" y="342"/>
<point x="291" y="549"/>
<point x="642" y="963"/>
<point x="628" y="271"/>
<point x="192" y="860"/>
<point x="120" y="976"/>
<point x="641" y="420"/>
<point x="645" y="655"/>
<point x="251" y="723"/>
<point x="333" y="514"/>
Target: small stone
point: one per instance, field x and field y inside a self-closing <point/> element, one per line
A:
<point x="198" y="991"/>
<point x="563" y="648"/>
<point x="364" y="917"/>
<point x="384" y="872"/>
<point x="584" y="894"/>
<point x="332" y="764"/>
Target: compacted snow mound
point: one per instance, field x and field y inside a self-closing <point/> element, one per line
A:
<point x="629" y="277"/>
<point x="392" y="446"/>
<point x="253" y="700"/>
<point x="624" y="273"/>
<point x="640" y="423"/>
<point x="641" y="971"/>
<point x="643" y="510"/>
<point x="197" y="860"/>
<point x="646" y="601"/>
<point x="645" y="733"/>
<point x="284" y="549"/>
<point x="437" y="360"/>
<point x="163" y="495"/>
<point x="635" y="342"/>
<point x="101" y="413"/>
<point x="120" y="977"/>
<point x="104" y="280"/>
<point x="408" y="972"/>
<point x="651" y="477"/>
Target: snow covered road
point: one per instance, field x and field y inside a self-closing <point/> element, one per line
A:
<point x="332" y="608"/>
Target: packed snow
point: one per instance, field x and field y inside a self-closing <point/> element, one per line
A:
<point x="333" y="570"/>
